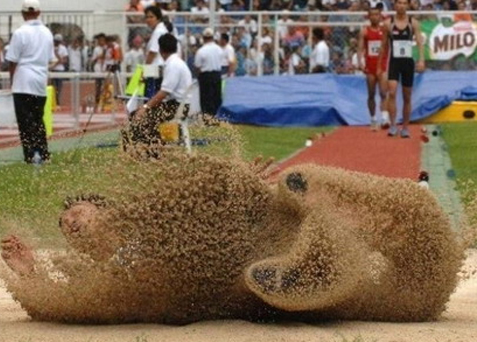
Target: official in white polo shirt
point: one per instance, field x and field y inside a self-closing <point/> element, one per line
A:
<point x="30" y="53"/>
<point x="208" y="61"/>
<point x="153" y="57"/>
<point x="164" y="104"/>
<point x="229" y="61"/>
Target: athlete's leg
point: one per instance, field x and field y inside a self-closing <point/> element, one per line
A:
<point x="406" y="110"/>
<point x="371" y="82"/>
<point x="383" y="92"/>
<point x="407" y="83"/>
<point x="392" y="90"/>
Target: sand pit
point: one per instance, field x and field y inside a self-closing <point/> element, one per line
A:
<point x="320" y="262"/>
<point x="458" y="323"/>
<point x="322" y="244"/>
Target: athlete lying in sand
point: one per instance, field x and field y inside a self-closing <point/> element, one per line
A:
<point x="323" y="243"/>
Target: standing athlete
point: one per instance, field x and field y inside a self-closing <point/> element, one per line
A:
<point x="369" y="46"/>
<point x="399" y="31"/>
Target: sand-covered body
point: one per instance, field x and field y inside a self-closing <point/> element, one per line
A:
<point x="208" y="238"/>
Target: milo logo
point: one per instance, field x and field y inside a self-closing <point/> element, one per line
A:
<point x="447" y="42"/>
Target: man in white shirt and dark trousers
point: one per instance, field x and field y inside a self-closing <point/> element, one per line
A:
<point x="76" y="56"/>
<point x="320" y="57"/>
<point x="164" y="104"/>
<point x="31" y="50"/>
<point x="61" y="53"/>
<point x="208" y="61"/>
<point x="228" y="58"/>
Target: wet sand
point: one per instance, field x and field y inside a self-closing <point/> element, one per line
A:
<point x="458" y="324"/>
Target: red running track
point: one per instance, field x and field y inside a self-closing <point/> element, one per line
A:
<point x="360" y="149"/>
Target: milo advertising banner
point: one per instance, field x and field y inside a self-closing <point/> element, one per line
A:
<point x="445" y="40"/>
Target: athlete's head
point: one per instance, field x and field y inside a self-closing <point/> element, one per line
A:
<point x="401" y="6"/>
<point x="374" y="15"/>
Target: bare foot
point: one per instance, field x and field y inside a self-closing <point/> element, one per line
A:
<point x="17" y="255"/>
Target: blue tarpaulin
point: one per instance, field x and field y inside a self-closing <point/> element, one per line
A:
<point x="328" y="99"/>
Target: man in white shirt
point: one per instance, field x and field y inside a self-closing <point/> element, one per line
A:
<point x="29" y="54"/>
<point x="135" y="55"/>
<point x="163" y="106"/>
<point x="320" y="57"/>
<point x="249" y="24"/>
<point x="282" y="26"/>
<point x="200" y="8"/>
<point x="228" y="57"/>
<point x="208" y="61"/>
<point x="61" y="54"/>
<point x="76" y="56"/>
<point x="153" y="57"/>
<point x="97" y="59"/>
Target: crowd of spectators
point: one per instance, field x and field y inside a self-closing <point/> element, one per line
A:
<point x="293" y="27"/>
<point x="295" y="45"/>
<point x="299" y="5"/>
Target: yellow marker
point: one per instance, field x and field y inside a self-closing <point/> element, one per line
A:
<point x="50" y="106"/>
<point x="169" y="131"/>
<point x="136" y="82"/>
<point x="106" y="100"/>
<point x="455" y="112"/>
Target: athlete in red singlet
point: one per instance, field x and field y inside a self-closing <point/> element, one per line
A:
<point x="370" y="39"/>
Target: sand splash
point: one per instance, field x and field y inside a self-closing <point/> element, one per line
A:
<point x="187" y="238"/>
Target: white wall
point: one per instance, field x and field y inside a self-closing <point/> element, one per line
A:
<point x="67" y="5"/>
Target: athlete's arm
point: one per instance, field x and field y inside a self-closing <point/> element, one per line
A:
<point x="420" y="46"/>
<point x="360" y="48"/>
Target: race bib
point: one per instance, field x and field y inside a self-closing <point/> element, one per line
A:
<point x="373" y="47"/>
<point x="402" y="49"/>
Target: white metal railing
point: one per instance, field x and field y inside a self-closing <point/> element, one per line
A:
<point x="82" y="88"/>
<point x="90" y="23"/>
<point x="341" y="28"/>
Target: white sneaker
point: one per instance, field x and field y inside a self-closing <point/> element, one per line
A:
<point x="374" y="124"/>
<point x="386" y="121"/>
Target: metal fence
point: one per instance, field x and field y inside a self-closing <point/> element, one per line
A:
<point x="264" y="41"/>
<point x="84" y="93"/>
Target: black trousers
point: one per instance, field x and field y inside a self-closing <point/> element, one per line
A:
<point x="29" y="111"/>
<point x="58" y="85"/>
<point x="98" y="90"/>
<point x="401" y="69"/>
<point x="145" y="131"/>
<point x="210" y="89"/>
<point x="153" y="85"/>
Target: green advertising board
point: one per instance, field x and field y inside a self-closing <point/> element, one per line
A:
<point x="445" y="39"/>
